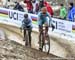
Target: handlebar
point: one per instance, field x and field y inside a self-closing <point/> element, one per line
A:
<point x="53" y="27"/>
<point x="23" y="29"/>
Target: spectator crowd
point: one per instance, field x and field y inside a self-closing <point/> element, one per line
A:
<point x="34" y="6"/>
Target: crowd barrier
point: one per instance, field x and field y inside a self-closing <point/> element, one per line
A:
<point x="15" y="18"/>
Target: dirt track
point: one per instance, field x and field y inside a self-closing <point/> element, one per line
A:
<point x="12" y="35"/>
<point x="10" y="50"/>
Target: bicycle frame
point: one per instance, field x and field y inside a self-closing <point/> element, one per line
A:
<point x="44" y="37"/>
<point x="26" y="38"/>
<point x="44" y="34"/>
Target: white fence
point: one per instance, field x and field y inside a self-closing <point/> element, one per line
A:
<point x="15" y="18"/>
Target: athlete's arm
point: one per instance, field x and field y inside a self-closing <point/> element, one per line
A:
<point x="38" y="19"/>
<point x="30" y="24"/>
<point x="50" y="19"/>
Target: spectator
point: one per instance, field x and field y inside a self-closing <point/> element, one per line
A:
<point x="63" y="12"/>
<point x="1" y="3"/>
<point x="4" y="3"/>
<point x="29" y="6"/>
<point x="41" y="4"/>
<point x="35" y="6"/>
<point x="24" y="6"/>
<point x="71" y="13"/>
<point x="49" y="8"/>
<point x="18" y="7"/>
<point x="44" y="3"/>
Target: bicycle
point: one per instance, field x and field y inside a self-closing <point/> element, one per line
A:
<point x="26" y="37"/>
<point x="45" y="40"/>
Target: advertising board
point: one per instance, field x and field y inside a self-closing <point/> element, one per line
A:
<point x="15" y="18"/>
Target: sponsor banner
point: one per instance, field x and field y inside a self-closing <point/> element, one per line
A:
<point x="63" y="25"/>
<point x="13" y="17"/>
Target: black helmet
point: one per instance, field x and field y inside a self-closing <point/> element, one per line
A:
<point x="26" y="15"/>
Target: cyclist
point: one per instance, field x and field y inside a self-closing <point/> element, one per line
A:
<point x="43" y="16"/>
<point x="27" y="25"/>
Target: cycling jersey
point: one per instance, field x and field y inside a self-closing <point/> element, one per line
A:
<point x="42" y="18"/>
<point x="27" y="23"/>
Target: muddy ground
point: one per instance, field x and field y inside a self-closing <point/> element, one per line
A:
<point x="10" y="50"/>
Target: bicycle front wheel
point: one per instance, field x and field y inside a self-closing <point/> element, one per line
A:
<point x="46" y="46"/>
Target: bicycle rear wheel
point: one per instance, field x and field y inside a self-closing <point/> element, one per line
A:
<point x="26" y="39"/>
